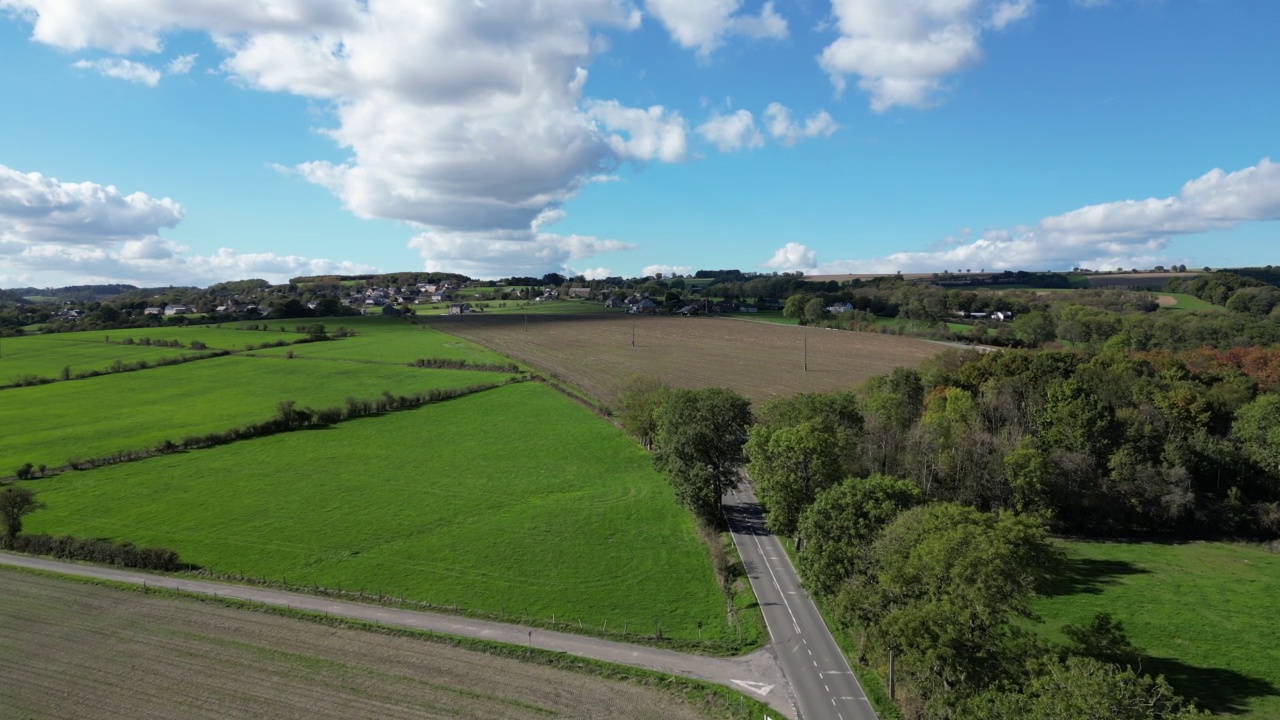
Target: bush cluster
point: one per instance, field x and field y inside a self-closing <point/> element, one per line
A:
<point x="443" y="364"/>
<point x="97" y="550"/>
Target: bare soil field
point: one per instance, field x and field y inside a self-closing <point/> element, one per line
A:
<point x="72" y="650"/>
<point x="759" y="360"/>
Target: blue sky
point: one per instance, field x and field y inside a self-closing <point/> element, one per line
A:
<point x="192" y="141"/>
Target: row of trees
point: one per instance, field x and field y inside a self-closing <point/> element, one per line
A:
<point x="921" y="503"/>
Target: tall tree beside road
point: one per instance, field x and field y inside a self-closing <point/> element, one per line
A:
<point x="840" y="525"/>
<point x="944" y="588"/>
<point x="641" y="398"/>
<point x="16" y="503"/>
<point x="800" y="446"/>
<point x="700" y="438"/>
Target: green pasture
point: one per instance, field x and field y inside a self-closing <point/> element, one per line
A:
<point x="923" y="325"/>
<point x="1203" y="613"/>
<point x="397" y="342"/>
<point x="519" y="307"/>
<point x="224" y="336"/>
<point x="769" y="316"/>
<point x="46" y="355"/>
<point x="514" y="501"/>
<point x="1192" y="303"/>
<point x="48" y="424"/>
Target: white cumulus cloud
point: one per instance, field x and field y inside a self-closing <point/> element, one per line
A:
<point x="121" y="69"/>
<point x="35" y="208"/>
<point x="1125" y="233"/>
<point x="704" y="24"/>
<point x="54" y="231"/>
<point x="787" y="131"/>
<point x="666" y="270"/>
<point x="494" y="255"/>
<point x="465" y="119"/>
<point x="792" y="256"/>
<point x="181" y="65"/>
<point x="732" y="132"/>
<point x="652" y="133"/>
<point x="903" y="51"/>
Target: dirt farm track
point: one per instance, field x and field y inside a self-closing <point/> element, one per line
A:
<point x="761" y="360"/>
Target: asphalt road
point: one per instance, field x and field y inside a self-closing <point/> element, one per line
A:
<point x="821" y="681"/>
<point x="756" y="674"/>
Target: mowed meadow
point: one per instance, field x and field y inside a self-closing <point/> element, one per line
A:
<point x="512" y="501"/>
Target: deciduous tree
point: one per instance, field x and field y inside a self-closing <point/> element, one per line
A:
<point x="840" y="525"/>
<point x="700" y="438"/>
<point x="1083" y="688"/>
<point x="16" y="502"/>
<point x="640" y="400"/>
<point x="943" y="589"/>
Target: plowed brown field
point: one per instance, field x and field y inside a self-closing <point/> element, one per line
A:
<point x="759" y="360"/>
<point x="71" y="650"/>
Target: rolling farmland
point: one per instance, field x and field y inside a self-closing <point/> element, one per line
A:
<point x="511" y="502"/>
<point x="45" y="356"/>
<point x="48" y="424"/>
<point x="74" y="650"/>
<point x="759" y="360"/>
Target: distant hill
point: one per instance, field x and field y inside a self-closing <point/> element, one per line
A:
<point x="76" y="293"/>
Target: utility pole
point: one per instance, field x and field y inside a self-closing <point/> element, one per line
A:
<point x="891" y="693"/>
<point x="526" y="322"/>
<point x="806" y="352"/>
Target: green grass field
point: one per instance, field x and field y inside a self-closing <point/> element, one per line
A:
<point x="769" y="316"/>
<point x="518" y="307"/>
<point x="391" y="340"/>
<point x="46" y="355"/>
<point x="48" y="424"/>
<point x="227" y="336"/>
<point x="1192" y="303"/>
<point x="1204" y="613"/>
<point x="920" y="325"/>
<point x="515" y="500"/>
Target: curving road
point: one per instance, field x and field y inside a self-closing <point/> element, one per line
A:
<point x="756" y="674"/>
<point x="821" y="681"/>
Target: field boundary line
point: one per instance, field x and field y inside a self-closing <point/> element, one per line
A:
<point x="756" y="666"/>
